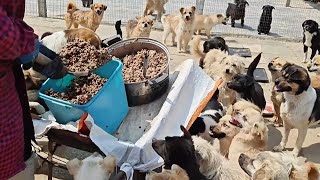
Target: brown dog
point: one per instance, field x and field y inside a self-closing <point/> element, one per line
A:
<point x="89" y="19"/>
<point x="315" y="67"/>
<point x="141" y="27"/>
<point x="155" y="5"/>
<point x="175" y="173"/>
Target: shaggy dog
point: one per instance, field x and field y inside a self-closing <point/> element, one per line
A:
<point x="175" y="173"/>
<point x="89" y="19"/>
<point x="141" y="27"/>
<point x="93" y="167"/>
<point x="265" y="20"/>
<point x="240" y="106"/>
<point x="311" y="39"/>
<point x="155" y="5"/>
<point x="213" y="165"/>
<point x="207" y="22"/>
<point x="275" y="67"/>
<point x="181" y="25"/>
<point x="225" y="132"/>
<point x="278" y="166"/>
<point x="247" y="87"/>
<point x="237" y="11"/>
<point x="300" y="108"/>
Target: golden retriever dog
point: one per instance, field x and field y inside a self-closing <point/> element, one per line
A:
<point x="275" y="67"/>
<point x="89" y="19"/>
<point x="93" y="167"/>
<point x="278" y="166"/>
<point x="225" y="132"/>
<point x="141" y="27"/>
<point x="180" y="26"/>
<point x="253" y="135"/>
<point x="215" y="166"/>
<point x="155" y="5"/>
<point x="175" y="173"/>
<point x="207" y="22"/>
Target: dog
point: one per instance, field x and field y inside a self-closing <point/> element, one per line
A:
<point x="179" y="150"/>
<point x="175" y="173"/>
<point x="278" y="166"/>
<point x="240" y="106"/>
<point x="213" y="165"/>
<point x="237" y="11"/>
<point x="247" y="87"/>
<point x="155" y="5"/>
<point x="213" y="43"/>
<point x="181" y="25"/>
<point x="275" y="67"/>
<point x="93" y="167"/>
<point x="208" y="118"/>
<point x="87" y="3"/>
<point x="265" y="20"/>
<point x="224" y="131"/>
<point x="315" y="67"/>
<point x="89" y="19"/>
<point x="300" y="108"/>
<point x="141" y="27"/>
<point x="207" y="22"/>
<point x="113" y="39"/>
<point x="55" y="41"/>
<point x="311" y="39"/>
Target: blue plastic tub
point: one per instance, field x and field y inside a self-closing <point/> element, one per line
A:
<point x="108" y="107"/>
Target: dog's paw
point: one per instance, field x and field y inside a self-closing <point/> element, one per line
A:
<point x="296" y="152"/>
<point x="306" y="61"/>
<point x="278" y="148"/>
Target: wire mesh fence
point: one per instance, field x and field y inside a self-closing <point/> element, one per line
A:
<point x="286" y="21"/>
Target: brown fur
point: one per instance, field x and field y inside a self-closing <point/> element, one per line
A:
<point x="137" y="28"/>
<point x="207" y="22"/>
<point x="315" y="67"/>
<point x="84" y="34"/>
<point x="155" y="5"/>
<point x="175" y="173"/>
<point x="181" y="25"/>
<point x="89" y="19"/>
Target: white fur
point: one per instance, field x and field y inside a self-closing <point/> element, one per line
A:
<point x="308" y="39"/>
<point x="55" y="41"/>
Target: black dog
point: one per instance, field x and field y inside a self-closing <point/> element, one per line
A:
<point x="237" y="11"/>
<point x="265" y="20"/>
<point x="248" y="88"/>
<point x="209" y="118"/>
<point x="179" y="150"/>
<point x="311" y="39"/>
<point x="214" y="43"/>
<point x="87" y="3"/>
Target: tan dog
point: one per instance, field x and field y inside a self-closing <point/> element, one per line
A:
<point x="253" y="136"/>
<point x="155" y="5"/>
<point x="180" y="26"/>
<point x="207" y="22"/>
<point x="89" y="19"/>
<point x="315" y="67"/>
<point x="278" y="166"/>
<point x="141" y="27"/>
<point x="176" y="173"/>
<point x="275" y="67"/>
<point x="225" y="132"/>
<point x="93" y="167"/>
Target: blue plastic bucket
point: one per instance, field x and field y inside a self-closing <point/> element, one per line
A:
<point x="108" y="107"/>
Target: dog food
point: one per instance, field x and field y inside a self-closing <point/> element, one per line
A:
<point x="133" y="65"/>
<point x="81" y="90"/>
<point x="81" y="56"/>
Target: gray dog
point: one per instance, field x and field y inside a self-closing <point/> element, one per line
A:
<point x="237" y="11"/>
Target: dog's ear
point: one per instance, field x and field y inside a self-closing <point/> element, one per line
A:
<point x="253" y="65"/>
<point x="247" y="3"/>
<point x="219" y="15"/>
<point x="272" y="7"/>
<point x="285" y="66"/>
<point x="181" y="10"/>
<point x="105" y="7"/>
<point x="303" y="23"/>
<point x="73" y="166"/>
<point x="92" y="6"/>
<point x="193" y="8"/>
<point x="151" y="22"/>
<point x="263" y="7"/>
<point x="138" y="17"/>
<point x="185" y="132"/>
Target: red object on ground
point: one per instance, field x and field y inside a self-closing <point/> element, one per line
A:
<point x="82" y="127"/>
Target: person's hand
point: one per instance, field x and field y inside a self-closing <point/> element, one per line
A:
<point x="29" y="58"/>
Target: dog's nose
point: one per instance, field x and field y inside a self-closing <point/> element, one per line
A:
<point x="277" y="81"/>
<point x="270" y="64"/>
<point x="227" y="70"/>
<point x="145" y="25"/>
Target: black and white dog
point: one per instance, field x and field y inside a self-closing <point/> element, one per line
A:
<point x="265" y="20"/>
<point x="311" y="39"/>
<point x="301" y="106"/>
<point x="209" y="118"/>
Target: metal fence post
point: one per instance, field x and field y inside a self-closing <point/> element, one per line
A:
<point x="42" y="8"/>
<point x="288" y="3"/>
<point x="199" y="6"/>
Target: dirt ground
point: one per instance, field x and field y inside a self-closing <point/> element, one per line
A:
<point x="269" y="48"/>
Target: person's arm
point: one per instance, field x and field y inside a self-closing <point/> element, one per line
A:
<point x="16" y="37"/>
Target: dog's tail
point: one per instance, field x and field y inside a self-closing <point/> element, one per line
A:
<point x="118" y="28"/>
<point x="71" y="7"/>
<point x="195" y="50"/>
<point x="253" y="65"/>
